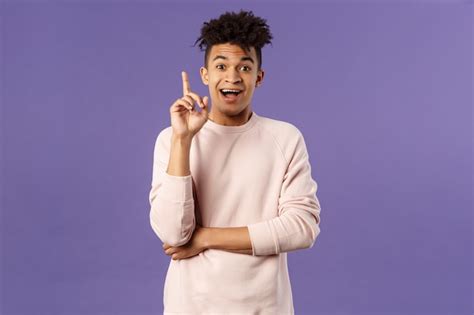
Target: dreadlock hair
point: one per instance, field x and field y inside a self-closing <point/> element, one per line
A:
<point x="242" y="29"/>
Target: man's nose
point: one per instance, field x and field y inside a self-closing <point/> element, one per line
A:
<point x="233" y="76"/>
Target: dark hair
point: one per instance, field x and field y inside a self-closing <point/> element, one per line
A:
<point x="243" y="29"/>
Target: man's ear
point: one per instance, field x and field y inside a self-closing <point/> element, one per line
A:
<point x="260" y="75"/>
<point x="204" y="75"/>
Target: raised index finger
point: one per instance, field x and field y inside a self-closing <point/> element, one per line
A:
<point x="186" y="87"/>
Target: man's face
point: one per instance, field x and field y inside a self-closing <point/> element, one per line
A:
<point x="231" y="67"/>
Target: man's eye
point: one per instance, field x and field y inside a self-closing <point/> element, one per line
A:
<point x="220" y="66"/>
<point x="247" y="67"/>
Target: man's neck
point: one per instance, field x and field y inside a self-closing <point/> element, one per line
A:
<point x="237" y="120"/>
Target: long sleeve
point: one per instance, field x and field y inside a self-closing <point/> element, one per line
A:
<point x="297" y="223"/>
<point x="171" y="198"/>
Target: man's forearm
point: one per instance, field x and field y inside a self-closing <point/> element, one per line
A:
<point x="233" y="239"/>
<point x="179" y="156"/>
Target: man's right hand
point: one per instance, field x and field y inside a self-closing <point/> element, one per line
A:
<point x="186" y="121"/>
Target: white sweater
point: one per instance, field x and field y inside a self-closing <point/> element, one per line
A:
<point x="256" y="175"/>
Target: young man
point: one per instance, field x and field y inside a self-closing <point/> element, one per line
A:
<point x="232" y="191"/>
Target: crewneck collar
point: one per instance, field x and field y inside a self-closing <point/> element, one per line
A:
<point x="231" y="129"/>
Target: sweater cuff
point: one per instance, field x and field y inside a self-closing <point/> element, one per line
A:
<point x="177" y="188"/>
<point x="263" y="240"/>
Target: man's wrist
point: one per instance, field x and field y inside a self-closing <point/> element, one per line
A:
<point x="187" y="139"/>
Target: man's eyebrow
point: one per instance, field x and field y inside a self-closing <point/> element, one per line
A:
<point x="241" y="59"/>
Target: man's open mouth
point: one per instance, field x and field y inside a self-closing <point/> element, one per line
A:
<point x="230" y="95"/>
<point x="230" y="92"/>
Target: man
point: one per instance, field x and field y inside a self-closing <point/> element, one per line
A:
<point x="232" y="191"/>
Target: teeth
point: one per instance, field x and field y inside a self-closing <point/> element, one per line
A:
<point x="227" y="90"/>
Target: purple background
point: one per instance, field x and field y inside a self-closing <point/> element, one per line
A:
<point x="381" y="91"/>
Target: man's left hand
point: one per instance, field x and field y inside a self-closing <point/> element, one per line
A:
<point x="196" y="244"/>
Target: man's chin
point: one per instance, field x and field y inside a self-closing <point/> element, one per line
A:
<point x="230" y="110"/>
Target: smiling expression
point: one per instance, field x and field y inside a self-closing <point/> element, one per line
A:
<point x="231" y="67"/>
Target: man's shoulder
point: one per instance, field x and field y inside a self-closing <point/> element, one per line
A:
<point x="280" y="128"/>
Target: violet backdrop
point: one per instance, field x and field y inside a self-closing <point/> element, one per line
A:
<point x="382" y="92"/>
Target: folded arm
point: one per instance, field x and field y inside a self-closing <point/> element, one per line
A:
<point x="297" y="224"/>
<point x="295" y="227"/>
<point x="232" y="239"/>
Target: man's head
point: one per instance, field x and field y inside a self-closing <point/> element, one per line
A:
<point x="233" y="59"/>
